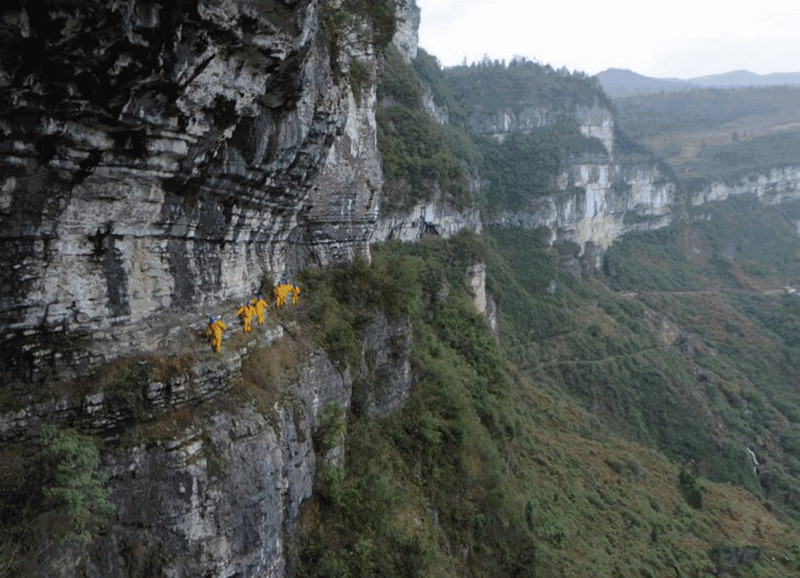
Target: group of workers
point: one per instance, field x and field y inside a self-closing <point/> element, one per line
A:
<point x="282" y="292"/>
<point x="255" y="308"/>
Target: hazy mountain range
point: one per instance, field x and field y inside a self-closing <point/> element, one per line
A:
<point x="619" y="82"/>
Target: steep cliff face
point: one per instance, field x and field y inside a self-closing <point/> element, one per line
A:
<point x="593" y="121"/>
<point x="602" y="196"/>
<point x="597" y="122"/>
<point x="481" y="299"/>
<point x="429" y="218"/>
<point x="210" y="456"/>
<point x="220" y="496"/>
<point x="779" y="185"/>
<point x="160" y="161"/>
<point x="599" y="202"/>
<point x="161" y="154"/>
<point x="601" y="192"/>
<point x="406" y="37"/>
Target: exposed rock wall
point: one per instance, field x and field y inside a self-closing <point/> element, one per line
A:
<point x="779" y="185"/>
<point x="601" y="197"/>
<point x="438" y="113"/>
<point x="211" y="502"/>
<point x="484" y="303"/>
<point x="157" y="154"/>
<point x="158" y="160"/>
<point x="597" y="122"/>
<point x="220" y="495"/>
<point x="501" y="122"/>
<point x="406" y="38"/>
<point x="599" y="202"/>
<point x="431" y="218"/>
<point x="386" y="379"/>
<point x="221" y="498"/>
<point x="594" y="122"/>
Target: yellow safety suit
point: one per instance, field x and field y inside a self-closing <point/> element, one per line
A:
<point x="260" y="304"/>
<point x="295" y="295"/>
<point x="281" y="291"/>
<point x="246" y="312"/>
<point x="215" y="331"/>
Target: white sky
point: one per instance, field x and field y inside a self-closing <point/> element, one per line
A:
<point x="662" y="38"/>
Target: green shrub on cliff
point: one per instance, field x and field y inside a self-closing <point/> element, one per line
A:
<point x="443" y="448"/>
<point x="510" y="458"/>
<point x="57" y="501"/>
<point x="419" y="157"/>
<point x="365" y="22"/>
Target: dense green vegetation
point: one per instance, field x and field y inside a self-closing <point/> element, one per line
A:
<point x="670" y="112"/>
<point x="420" y="158"/>
<point x="491" y="86"/>
<point x="53" y="502"/>
<point x="726" y="245"/>
<point x="730" y="162"/>
<point x="717" y="134"/>
<point x="720" y="279"/>
<point x="586" y="441"/>
<point x="608" y="354"/>
<point x="443" y="451"/>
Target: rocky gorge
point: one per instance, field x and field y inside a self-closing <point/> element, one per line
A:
<point x="161" y="161"/>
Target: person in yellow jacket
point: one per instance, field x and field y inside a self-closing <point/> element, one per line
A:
<point x="246" y="312"/>
<point x="281" y="292"/>
<point x="295" y="295"/>
<point x="277" y="293"/>
<point x="215" y="328"/>
<point x="260" y="304"/>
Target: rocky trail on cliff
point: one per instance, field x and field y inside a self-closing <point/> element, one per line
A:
<point x="172" y="363"/>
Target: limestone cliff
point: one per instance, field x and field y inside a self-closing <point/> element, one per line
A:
<point x="597" y="195"/>
<point x="779" y="185"/>
<point x="594" y="121"/>
<point x="218" y="498"/>
<point x="428" y="218"/>
<point x="406" y="37"/>
<point x="163" y="154"/>
<point x="160" y="161"/>
<point x="599" y="202"/>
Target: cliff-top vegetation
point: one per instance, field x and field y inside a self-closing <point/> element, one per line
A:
<point x="580" y="442"/>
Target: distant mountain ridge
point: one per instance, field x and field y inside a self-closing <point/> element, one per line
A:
<point x="746" y="78"/>
<point x="618" y="82"/>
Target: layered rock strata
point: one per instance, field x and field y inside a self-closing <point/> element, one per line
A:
<point x="161" y="154"/>
<point x="779" y="185"/>
<point x="600" y="197"/>
<point x="599" y="202"/>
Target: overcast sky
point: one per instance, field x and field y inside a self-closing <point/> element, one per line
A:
<point x="662" y="38"/>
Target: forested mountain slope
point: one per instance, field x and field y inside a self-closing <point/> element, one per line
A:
<point x="632" y="420"/>
<point x="600" y="434"/>
<point x="717" y="135"/>
<point x="521" y="345"/>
